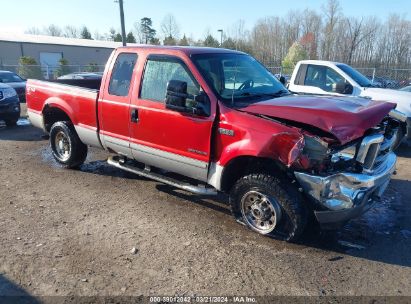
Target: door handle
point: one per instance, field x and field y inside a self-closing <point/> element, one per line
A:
<point x="134" y="115"/>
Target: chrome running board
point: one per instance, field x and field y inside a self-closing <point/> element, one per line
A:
<point x="116" y="162"/>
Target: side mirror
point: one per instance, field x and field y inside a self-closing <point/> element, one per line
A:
<point x="176" y="99"/>
<point x="176" y="94"/>
<point x="282" y="80"/>
<point x="343" y="87"/>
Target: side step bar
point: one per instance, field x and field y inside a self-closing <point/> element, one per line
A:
<point x="116" y="162"/>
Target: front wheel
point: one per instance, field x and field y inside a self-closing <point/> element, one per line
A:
<point x="66" y="146"/>
<point x="269" y="206"/>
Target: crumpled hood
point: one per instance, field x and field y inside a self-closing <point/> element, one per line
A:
<point x="346" y="118"/>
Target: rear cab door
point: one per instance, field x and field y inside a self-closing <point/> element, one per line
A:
<point x="174" y="141"/>
<point x="114" y="101"/>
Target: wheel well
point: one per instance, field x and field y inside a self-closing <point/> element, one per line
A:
<point x="52" y="115"/>
<point x="245" y="165"/>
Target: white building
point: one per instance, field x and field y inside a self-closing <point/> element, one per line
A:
<point x="48" y="50"/>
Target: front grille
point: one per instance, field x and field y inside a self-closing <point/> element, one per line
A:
<point x="1" y="95"/>
<point x="374" y="149"/>
<point x="369" y="149"/>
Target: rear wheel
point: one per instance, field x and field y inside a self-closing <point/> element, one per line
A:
<point x="66" y="146"/>
<point x="269" y="206"/>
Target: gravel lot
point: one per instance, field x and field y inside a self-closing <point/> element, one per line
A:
<point x="72" y="232"/>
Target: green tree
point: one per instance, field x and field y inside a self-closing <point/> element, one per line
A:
<point x="229" y="43"/>
<point x="28" y="68"/>
<point x="118" y="38"/>
<point x="169" y="41"/>
<point x="210" y="41"/>
<point x="85" y="33"/>
<point x="155" y="41"/>
<point x="62" y="69"/>
<point x="130" y="38"/>
<point x="148" y="33"/>
<point x="295" y="54"/>
<point x="184" y="41"/>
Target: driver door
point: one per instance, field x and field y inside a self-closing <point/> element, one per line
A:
<point x="178" y="142"/>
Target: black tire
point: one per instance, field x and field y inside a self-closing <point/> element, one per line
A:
<point x="284" y="200"/>
<point x="66" y="146"/>
<point x="11" y="122"/>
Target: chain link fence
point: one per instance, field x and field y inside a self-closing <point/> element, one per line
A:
<point x="49" y="72"/>
<point x="381" y="77"/>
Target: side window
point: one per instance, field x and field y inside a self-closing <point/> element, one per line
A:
<point x="122" y="74"/>
<point x="315" y="76"/>
<point x="332" y="78"/>
<point x="322" y="77"/>
<point x="159" y="72"/>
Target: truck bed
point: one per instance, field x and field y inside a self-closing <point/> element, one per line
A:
<point x="79" y="103"/>
<point x="93" y="84"/>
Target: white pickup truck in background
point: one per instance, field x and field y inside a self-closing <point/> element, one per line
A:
<point x="339" y="79"/>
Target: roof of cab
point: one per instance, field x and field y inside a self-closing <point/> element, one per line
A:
<point x="320" y="62"/>
<point x="188" y="50"/>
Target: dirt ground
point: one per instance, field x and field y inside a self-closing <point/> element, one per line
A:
<point x="71" y="232"/>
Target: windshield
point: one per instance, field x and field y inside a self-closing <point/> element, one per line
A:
<point x="9" y="77"/>
<point x="356" y="76"/>
<point x="238" y="79"/>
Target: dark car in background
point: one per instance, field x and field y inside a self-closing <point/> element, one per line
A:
<point x="9" y="105"/>
<point x="16" y="82"/>
<point x="384" y="82"/>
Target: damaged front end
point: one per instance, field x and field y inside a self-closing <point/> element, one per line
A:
<point x="344" y="181"/>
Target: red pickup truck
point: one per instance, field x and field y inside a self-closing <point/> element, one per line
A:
<point x="220" y="121"/>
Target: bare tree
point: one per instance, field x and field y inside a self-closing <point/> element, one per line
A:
<point x="70" y="31"/>
<point x="170" y="27"/>
<point x="311" y="28"/>
<point x="33" y="31"/>
<point x="356" y="33"/>
<point x="267" y="39"/>
<point x="138" y="33"/>
<point x="332" y="14"/>
<point x="53" y="30"/>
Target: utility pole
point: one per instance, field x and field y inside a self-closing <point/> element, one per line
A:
<point x="123" y="27"/>
<point x="221" y="39"/>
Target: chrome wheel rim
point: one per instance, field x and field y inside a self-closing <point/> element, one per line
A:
<point x="62" y="146"/>
<point x="260" y="212"/>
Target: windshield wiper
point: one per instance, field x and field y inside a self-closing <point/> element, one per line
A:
<point x="276" y="94"/>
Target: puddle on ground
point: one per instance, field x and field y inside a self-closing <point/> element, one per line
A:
<point x="99" y="167"/>
<point x="20" y="122"/>
<point x="380" y="220"/>
<point x="23" y="122"/>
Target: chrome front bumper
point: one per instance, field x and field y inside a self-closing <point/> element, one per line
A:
<point x="345" y="195"/>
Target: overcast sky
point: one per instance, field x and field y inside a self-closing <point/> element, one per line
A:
<point x="194" y="17"/>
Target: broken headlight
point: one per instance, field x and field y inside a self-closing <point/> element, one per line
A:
<point x="346" y="154"/>
<point x="315" y="148"/>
